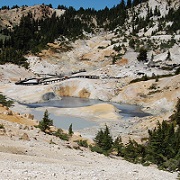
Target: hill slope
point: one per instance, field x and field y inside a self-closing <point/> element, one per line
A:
<point x="106" y="44"/>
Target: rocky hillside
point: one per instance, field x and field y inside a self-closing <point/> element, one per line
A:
<point x="28" y="153"/>
<point x="132" y="50"/>
<point x="112" y="55"/>
<point x="11" y="17"/>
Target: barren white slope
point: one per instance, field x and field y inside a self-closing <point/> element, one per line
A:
<point x="38" y="159"/>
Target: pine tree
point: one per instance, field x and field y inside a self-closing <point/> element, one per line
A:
<point x="132" y="43"/>
<point x="103" y="139"/>
<point x="142" y="55"/>
<point x="70" y="130"/>
<point x="168" y="56"/>
<point x="122" y="4"/>
<point x="152" y="57"/>
<point x="45" y="124"/>
<point x="176" y="116"/>
<point x="129" y="4"/>
<point x="99" y="137"/>
<point x="136" y="2"/>
<point x="118" y="146"/>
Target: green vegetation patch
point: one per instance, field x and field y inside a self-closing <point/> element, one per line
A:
<point x="5" y="102"/>
<point x="45" y="123"/>
<point x="82" y="143"/>
<point x="59" y="133"/>
<point x="146" y="78"/>
<point x="1" y="126"/>
<point x="162" y="147"/>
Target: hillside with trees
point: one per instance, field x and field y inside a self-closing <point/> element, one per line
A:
<point x="32" y="35"/>
<point x="125" y="59"/>
<point x="161" y="147"/>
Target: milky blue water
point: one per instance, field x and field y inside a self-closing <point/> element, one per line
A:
<point x="64" y="121"/>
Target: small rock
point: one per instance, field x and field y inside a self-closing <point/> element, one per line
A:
<point x="25" y="137"/>
<point x="20" y="126"/>
<point x="54" y="174"/>
<point x="136" y="171"/>
<point x="26" y="128"/>
<point x="9" y="112"/>
<point x="30" y="116"/>
<point x="6" y="108"/>
<point x="26" y="171"/>
<point x="2" y="131"/>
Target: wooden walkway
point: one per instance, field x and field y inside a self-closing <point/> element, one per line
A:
<point x="54" y="78"/>
<point x="50" y="80"/>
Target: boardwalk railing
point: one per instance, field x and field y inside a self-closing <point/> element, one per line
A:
<point x="55" y="79"/>
<point x="45" y="81"/>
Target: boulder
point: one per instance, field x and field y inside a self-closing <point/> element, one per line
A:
<point x="26" y="128"/>
<point x="2" y="131"/>
<point x="8" y="112"/>
<point x="6" y="108"/>
<point x="30" y="116"/>
<point x="48" y="96"/>
<point x="25" y="137"/>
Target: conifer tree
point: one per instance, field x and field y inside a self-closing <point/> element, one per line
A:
<point x="176" y="116"/>
<point x="129" y="4"/>
<point x="118" y="146"/>
<point x="136" y="2"/>
<point x="45" y="123"/>
<point x="103" y="139"/>
<point x="142" y="55"/>
<point x="168" y="56"/>
<point x="70" y="130"/>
